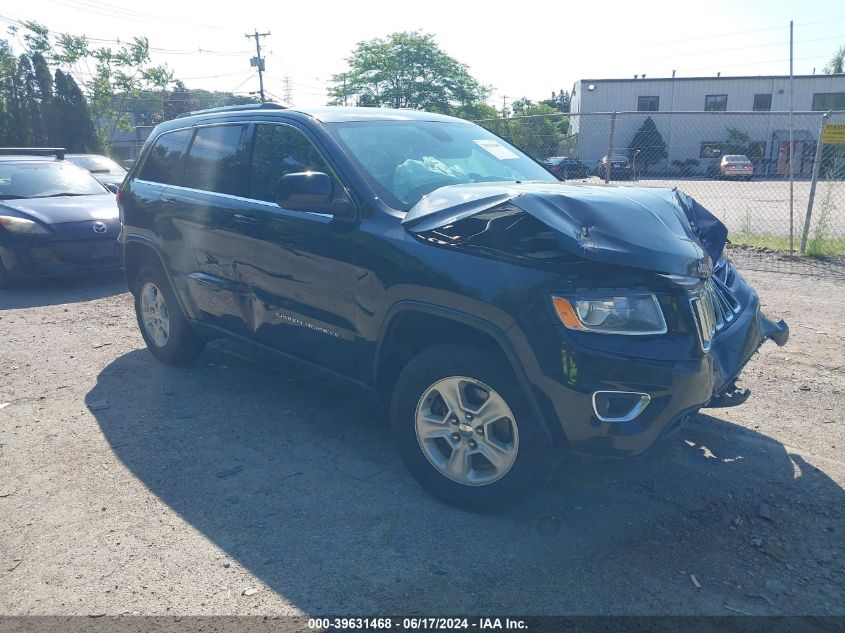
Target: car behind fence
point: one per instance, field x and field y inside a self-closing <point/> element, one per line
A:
<point x="769" y="213"/>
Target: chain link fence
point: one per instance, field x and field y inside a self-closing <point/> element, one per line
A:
<point x="703" y="153"/>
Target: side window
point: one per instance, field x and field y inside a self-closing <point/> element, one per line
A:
<point x="763" y="101"/>
<point x="163" y="158"/>
<point x="715" y="103"/>
<point x="216" y="160"/>
<point x="280" y="150"/>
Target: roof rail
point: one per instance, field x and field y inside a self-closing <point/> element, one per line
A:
<point x="234" y="108"/>
<point x="58" y="152"/>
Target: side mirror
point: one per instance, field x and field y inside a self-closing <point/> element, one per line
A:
<point x="307" y="191"/>
<point x="112" y="187"/>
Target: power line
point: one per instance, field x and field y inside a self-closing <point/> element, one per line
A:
<point x="277" y="98"/>
<point x="239" y="72"/>
<point x="296" y="83"/>
<point x="96" y="8"/>
<point x="739" y="48"/>
<point x="242" y="83"/>
<point x="757" y="63"/>
<point x="199" y="51"/>
<point x="732" y="33"/>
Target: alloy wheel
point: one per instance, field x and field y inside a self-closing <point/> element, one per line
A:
<point x="467" y="431"/>
<point x="154" y="314"/>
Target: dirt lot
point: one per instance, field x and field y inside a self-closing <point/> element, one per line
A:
<point x="232" y="488"/>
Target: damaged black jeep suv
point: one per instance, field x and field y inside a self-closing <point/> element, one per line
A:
<point x="503" y="316"/>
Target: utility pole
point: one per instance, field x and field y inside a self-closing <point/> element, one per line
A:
<point x="258" y="61"/>
<point x="791" y="152"/>
<point x="504" y="106"/>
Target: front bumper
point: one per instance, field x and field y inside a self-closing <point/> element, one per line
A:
<point x="737" y="173"/>
<point x="570" y="375"/>
<point x="26" y="257"/>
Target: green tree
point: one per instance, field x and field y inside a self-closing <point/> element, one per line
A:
<point x="177" y="101"/>
<point x="519" y="106"/>
<point x="29" y="117"/>
<point x="650" y="145"/>
<point x="537" y="130"/>
<point x="8" y="70"/>
<point x="406" y="70"/>
<point x="836" y="65"/>
<point x="19" y="130"/>
<point x="76" y="132"/>
<point x="559" y="101"/>
<point x="110" y="77"/>
<point x="474" y="111"/>
<point x="150" y="107"/>
<point x="44" y="97"/>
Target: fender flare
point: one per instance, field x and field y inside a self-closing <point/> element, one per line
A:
<point x="150" y="244"/>
<point x="495" y="332"/>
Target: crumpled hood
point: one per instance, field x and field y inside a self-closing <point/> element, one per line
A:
<point x="656" y="229"/>
<point x="66" y="209"/>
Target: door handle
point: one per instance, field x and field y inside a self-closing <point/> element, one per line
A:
<point x="245" y="219"/>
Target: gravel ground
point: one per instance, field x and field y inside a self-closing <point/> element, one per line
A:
<point x="228" y="487"/>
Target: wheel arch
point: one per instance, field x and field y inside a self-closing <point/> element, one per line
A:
<point x="138" y="251"/>
<point x="412" y="326"/>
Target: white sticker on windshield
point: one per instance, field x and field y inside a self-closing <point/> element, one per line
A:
<point x="496" y="148"/>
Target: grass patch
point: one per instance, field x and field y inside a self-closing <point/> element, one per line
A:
<point x="820" y="248"/>
<point x="815" y="245"/>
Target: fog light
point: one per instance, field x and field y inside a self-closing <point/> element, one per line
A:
<point x="619" y="406"/>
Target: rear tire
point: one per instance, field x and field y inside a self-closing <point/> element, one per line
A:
<point x="470" y="388"/>
<point x="166" y="331"/>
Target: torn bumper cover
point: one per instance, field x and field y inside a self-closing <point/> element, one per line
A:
<point x="614" y="393"/>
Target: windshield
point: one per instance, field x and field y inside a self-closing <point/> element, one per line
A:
<point x="40" y="180"/>
<point x="405" y="160"/>
<point x="96" y="163"/>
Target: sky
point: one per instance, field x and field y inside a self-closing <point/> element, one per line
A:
<point x="520" y="49"/>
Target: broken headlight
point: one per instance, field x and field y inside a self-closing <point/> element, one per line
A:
<point x="627" y="314"/>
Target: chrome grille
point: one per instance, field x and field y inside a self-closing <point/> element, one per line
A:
<point x="714" y="306"/>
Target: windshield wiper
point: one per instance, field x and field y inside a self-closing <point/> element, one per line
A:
<point x="65" y="193"/>
<point x="4" y="196"/>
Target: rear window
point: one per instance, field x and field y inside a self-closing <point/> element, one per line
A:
<point x="216" y="160"/>
<point x="96" y="163"/>
<point x="162" y="160"/>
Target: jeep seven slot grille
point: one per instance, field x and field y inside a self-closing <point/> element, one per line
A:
<point x="714" y="306"/>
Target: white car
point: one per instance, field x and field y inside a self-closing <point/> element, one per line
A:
<point x="736" y="166"/>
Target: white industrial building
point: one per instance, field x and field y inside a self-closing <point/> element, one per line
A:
<point x="694" y="114"/>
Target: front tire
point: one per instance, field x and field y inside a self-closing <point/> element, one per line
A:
<point x="465" y="432"/>
<point x="166" y="331"/>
